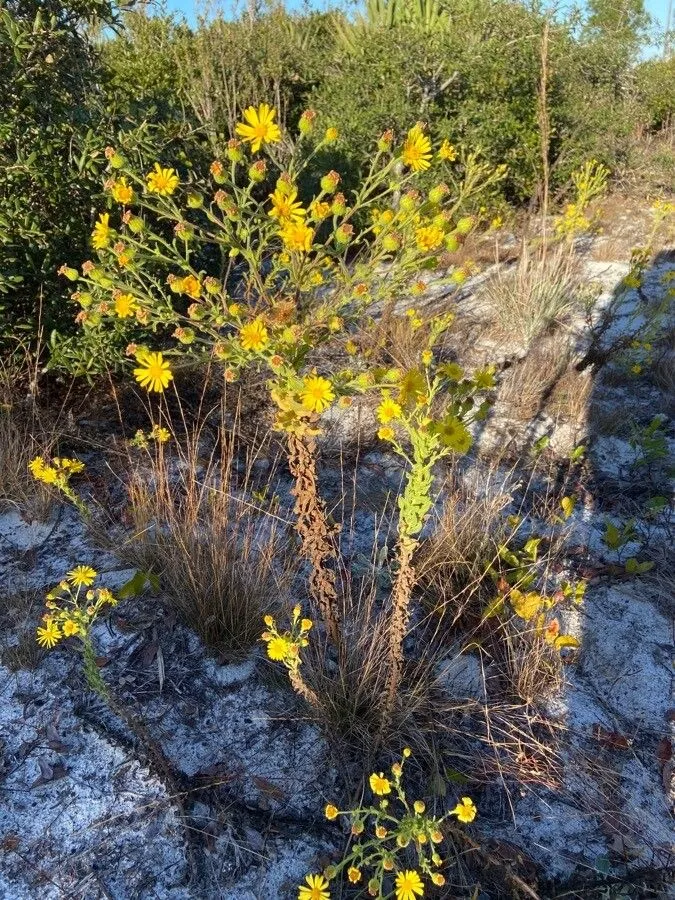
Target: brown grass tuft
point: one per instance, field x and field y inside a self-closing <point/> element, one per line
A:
<point x="223" y="561"/>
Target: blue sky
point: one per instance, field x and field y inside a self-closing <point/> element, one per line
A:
<point x="657" y="8"/>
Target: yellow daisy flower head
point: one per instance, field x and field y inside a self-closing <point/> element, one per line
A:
<point x="70" y="628"/>
<point x="388" y="410"/>
<point x="416" y="153"/>
<point x="454" y="434"/>
<point x="285" y="206"/>
<point x="278" y="648"/>
<point x="125" y="306"/>
<point x="49" y="634"/>
<point x="82" y="575"/>
<point x="102" y="233"/>
<point x="315" y="888"/>
<point x="254" y="335"/>
<point x="447" y="151"/>
<point x="409" y="885"/>
<point x="331" y="812"/>
<point x="429" y="238"/>
<point x="465" y="810"/>
<point x="297" y="236"/>
<point x="162" y="181"/>
<point x="379" y="785"/>
<point x="317" y="393"/>
<point x="122" y="192"/>
<point x="259" y="127"/>
<point x="154" y="372"/>
<point x="354" y="874"/>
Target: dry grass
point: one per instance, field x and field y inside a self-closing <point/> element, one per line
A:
<point x="526" y="386"/>
<point x="453" y="564"/>
<point x="222" y="561"/>
<point x="571" y="396"/>
<point x="24" y="434"/>
<point x="539" y="292"/>
<point x="19" y="616"/>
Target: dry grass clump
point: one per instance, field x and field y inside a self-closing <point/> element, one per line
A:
<point x="19" y="614"/>
<point x="526" y="386"/>
<point x="222" y="561"/>
<point x="24" y="434"/>
<point x="453" y="564"/>
<point x="540" y="291"/>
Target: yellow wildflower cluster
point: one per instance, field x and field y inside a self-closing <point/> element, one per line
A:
<point x="385" y="833"/>
<point x="57" y="473"/>
<point x="285" y="647"/>
<point x="590" y="182"/>
<point x="72" y="607"/>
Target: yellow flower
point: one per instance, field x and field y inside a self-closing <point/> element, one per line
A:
<point x="331" y="135"/>
<point x="438" y="879"/>
<point x="408" y="885"/>
<point x="465" y="810"/>
<point x="306" y="624"/>
<point x="278" y="648"/>
<point x="429" y="238"/>
<point x="260" y="128"/>
<point x="297" y="236"/>
<point x="70" y="627"/>
<point x="484" y="378"/>
<point x="125" y="305"/>
<point x="48" y="635"/>
<point x="447" y="151"/>
<point x="331" y="812"/>
<point x="413" y="385"/>
<point x="419" y="806"/>
<point x="416" y="152"/>
<point x="100" y="236"/>
<point x="284" y="204"/>
<point x="380" y="832"/>
<point x="122" y="192"/>
<point x="379" y="785"/>
<point x="353" y="874"/>
<point x="453" y="371"/>
<point x="162" y="181"/>
<point x="317" y="393"/>
<point x="154" y="372"/>
<point x="253" y="335"/>
<point x="190" y="286"/>
<point x="319" y="209"/>
<point x="82" y="575"/>
<point x="388" y="410"/>
<point x="316" y="888"/>
<point x="453" y="434"/>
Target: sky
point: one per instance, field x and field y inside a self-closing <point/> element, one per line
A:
<point x="658" y="9"/>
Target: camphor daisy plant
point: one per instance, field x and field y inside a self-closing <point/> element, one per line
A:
<point x="72" y="608"/>
<point x="290" y="272"/>
<point x="397" y="846"/>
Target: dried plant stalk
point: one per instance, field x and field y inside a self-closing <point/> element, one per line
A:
<point x="316" y="535"/>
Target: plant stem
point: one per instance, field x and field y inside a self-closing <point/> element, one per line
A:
<point x="316" y="535"/>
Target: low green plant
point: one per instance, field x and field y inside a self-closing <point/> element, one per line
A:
<point x="73" y="607"/>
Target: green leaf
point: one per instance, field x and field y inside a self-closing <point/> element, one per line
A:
<point x="493" y="608"/>
<point x="633" y="567"/>
<point x="136" y="585"/>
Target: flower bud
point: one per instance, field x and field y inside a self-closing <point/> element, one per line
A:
<point x="257" y="171"/>
<point x="194" y="200"/>
<point x="235" y="150"/>
<point x="70" y="274"/>
<point x="217" y="171"/>
<point x="385" y="141"/>
<point x="330" y="181"/>
<point x="344" y="233"/>
<point x="331" y="135"/>
<point x="465" y="225"/>
<point x="306" y="123"/>
<point x="339" y="207"/>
